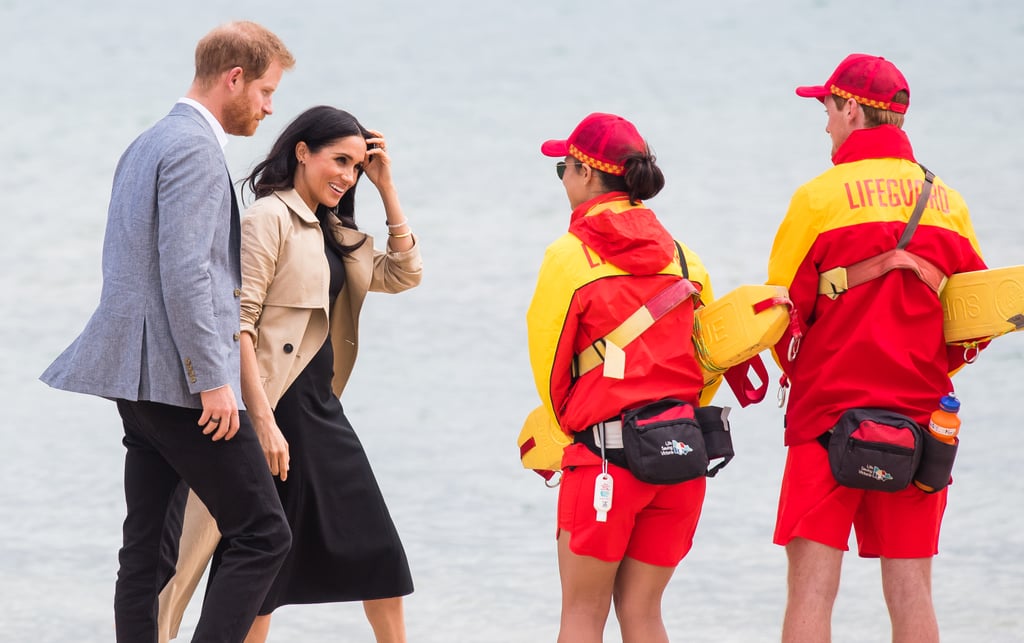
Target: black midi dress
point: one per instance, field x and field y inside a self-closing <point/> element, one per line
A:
<point x="344" y="544"/>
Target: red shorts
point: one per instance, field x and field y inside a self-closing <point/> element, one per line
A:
<point x="812" y="505"/>
<point x="651" y="523"/>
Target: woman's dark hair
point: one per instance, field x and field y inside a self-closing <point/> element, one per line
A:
<point x="643" y="178"/>
<point x="317" y="127"/>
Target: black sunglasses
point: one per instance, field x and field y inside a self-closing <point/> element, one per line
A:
<point x="560" y="168"/>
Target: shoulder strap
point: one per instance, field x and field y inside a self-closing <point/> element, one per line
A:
<point x="922" y="200"/>
<point x="682" y="260"/>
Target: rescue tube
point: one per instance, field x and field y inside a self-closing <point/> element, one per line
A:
<point x="736" y="327"/>
<point x="983" y="304"/>
<point x="541" y="442"/>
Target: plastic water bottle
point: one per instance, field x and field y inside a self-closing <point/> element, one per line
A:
<point x="945" y="423"/>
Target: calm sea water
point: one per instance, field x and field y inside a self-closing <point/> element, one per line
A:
<point x="466" y="91"/>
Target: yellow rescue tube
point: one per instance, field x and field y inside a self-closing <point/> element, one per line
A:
<point x="729" y="330"/>
<point x="541" y="442"/>
<point x="983" y="304"/>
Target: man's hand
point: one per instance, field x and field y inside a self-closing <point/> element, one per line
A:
<point x="220" y="413"/>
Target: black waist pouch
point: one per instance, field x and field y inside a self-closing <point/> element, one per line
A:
<point x="664" y="443"/>
<point x="874" y="449"/>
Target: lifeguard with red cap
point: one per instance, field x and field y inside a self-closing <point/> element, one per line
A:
<point x="614" y="260"/>
<point x="874" y="343"/>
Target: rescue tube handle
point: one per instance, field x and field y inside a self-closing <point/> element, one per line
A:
<point x="795" y="334"/>
<point x="739" y="379"/>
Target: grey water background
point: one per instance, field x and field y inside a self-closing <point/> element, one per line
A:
<point x="465" y="92"/>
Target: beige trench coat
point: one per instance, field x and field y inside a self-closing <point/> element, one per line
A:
<point x="285" y="279"/>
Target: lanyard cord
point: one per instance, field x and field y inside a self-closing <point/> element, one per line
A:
<point x="604" y="460"/>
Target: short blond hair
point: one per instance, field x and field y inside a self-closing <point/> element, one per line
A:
<point x="239" y="44"/>
<point x="873" y="117"/>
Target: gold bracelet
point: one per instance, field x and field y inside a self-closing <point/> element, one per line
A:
<point x="399" y="236"/>
<point x="397" y="225"/>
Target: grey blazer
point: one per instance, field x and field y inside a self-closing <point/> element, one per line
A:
<point x="167" y="324"/>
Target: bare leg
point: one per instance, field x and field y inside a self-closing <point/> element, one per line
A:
<point x="387" y="619"/>
<point x="259" y="630"/>
<point x="586" y="594"/>
<point x="813" y="585"/>
<point x="638" y="591"/>
<point x="907" y="586"/>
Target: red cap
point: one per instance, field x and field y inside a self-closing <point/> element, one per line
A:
<point x="602" y="141"/>
<point x="869" y="80"/>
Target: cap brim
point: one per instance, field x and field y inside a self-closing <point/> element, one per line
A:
<point x="815" y="91"/>
<point x="555" y="148"/>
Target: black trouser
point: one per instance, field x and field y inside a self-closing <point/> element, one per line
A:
<point x="165" y="446"/>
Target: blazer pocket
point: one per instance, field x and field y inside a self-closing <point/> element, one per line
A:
<point x="224" y="302"/>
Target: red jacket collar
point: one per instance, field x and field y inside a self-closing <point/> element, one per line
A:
<point x="585" y="207"/>
<point x="882" y="142"/>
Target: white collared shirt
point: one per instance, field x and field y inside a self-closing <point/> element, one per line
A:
<point x="218" y="129"/>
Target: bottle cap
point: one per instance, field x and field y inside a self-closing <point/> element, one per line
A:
<point x="949" y="403"/>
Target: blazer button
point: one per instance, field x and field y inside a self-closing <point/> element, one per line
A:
<point x="238" y="292"/>
<point x="236" y="336"/>
<point x="288" y="348"/>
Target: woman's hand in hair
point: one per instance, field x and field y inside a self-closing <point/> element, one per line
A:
<point x="377" y="165"/>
